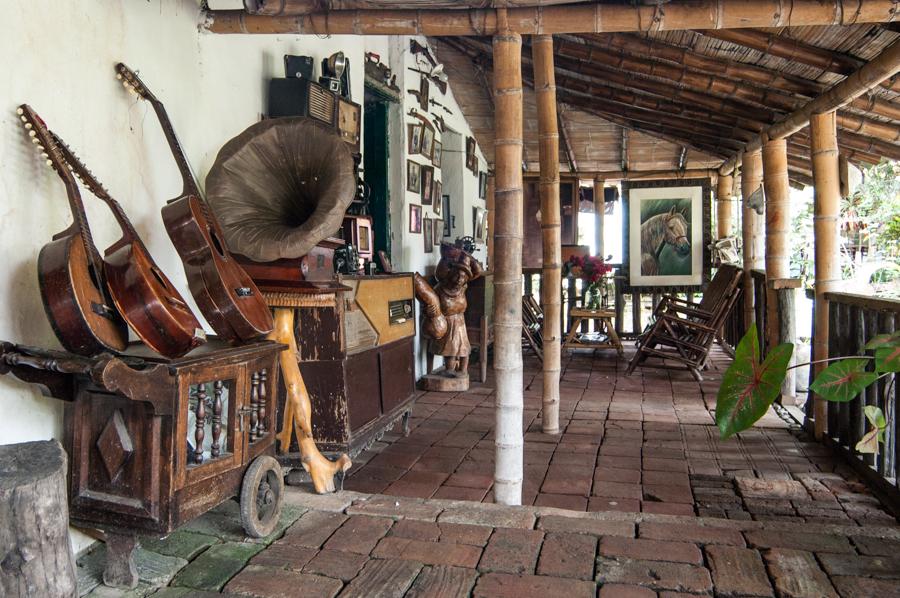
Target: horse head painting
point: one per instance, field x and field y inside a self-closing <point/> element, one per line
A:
<point x="665" y="242"/>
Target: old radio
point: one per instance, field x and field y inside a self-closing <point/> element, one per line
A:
<point x="348" y="122"/>
<point x="302" y="97"/>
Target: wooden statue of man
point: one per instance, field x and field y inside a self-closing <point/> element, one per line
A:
<point x="445" y="308"/>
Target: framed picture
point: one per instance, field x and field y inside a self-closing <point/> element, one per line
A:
<point x="427" y="141"/>
<point x="438" y="152"/>
<point x="428" y="234"/>
<point x="427" y="185"/>
<point x="438" y="230"/>
<point x="413" y="176"/>
<point x="414" y="138"/>
<point x="482" y="185"/>
<point x="415" y="218"/>
<point x="480" y="223"/>
<point x="471" y="159"/>
<point x="436" y="195"/>
<point x="666" y="235"/>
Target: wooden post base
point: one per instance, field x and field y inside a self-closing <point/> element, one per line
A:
<point x="298" y="410"/>
<point x="443" y="381"/>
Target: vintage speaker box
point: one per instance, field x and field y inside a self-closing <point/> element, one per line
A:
<point x="302" y="97"/>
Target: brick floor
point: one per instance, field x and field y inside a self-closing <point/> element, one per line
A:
<point x="644" y="443"/>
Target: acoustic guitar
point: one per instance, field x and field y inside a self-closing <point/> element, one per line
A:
<point x="145" y="297"/>
<point x="225" y="293"/>
<point x="70" y="269"/>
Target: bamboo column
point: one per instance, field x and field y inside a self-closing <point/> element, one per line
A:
<point x="551" y="283"/>
<point x="827" y="194"/>
<point x="751" y="183"/>
<point x="508" y="441"/>
<point x="724" y="215"/>
<point x="779" y="319"/>
<point x="599" y="214"/>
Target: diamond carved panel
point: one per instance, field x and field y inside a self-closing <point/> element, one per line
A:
<point x="114" y="444"/>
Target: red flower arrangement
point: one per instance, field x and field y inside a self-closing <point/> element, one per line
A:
<point x="591" y="270"/>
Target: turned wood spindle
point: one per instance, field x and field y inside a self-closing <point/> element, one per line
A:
<point x="215" y="450"/>
<point x="254" y="406"/>
<point x="263" y="401"/>
<point x="199" y="432"/>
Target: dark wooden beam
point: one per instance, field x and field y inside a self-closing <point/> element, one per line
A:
<point x="567" y="145"/>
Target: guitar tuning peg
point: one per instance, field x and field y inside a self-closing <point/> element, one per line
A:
<point x="119" y="76"/>
<point x="45" y="155"/>
<point x="49" y="162"/>
<point x="31" y="133"/>
<point x="19" y="111"/>
<point x="24" y="119"/>
<point x="35" y="141"/>
<point x="29" y="126"/>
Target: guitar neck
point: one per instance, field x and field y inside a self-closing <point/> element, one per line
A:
<point x="76" y="205"/>
<point x="95" y="187"/>
<point x="184" y="167"/>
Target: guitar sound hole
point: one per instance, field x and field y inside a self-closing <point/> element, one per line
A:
<point x="216" y="243"/>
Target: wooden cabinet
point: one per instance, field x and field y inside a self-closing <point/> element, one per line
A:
<point x="480" y="318"/>
<point x="356" y="357"/>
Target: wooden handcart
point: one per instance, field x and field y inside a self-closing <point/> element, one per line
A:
<point x="155" y="442"/>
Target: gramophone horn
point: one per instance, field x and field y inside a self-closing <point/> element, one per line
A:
<point x="281" y="187"/>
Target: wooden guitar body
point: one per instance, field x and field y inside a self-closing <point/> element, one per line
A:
<point x="148" y="300"/>
<point x="78" y="311"/>
<point x="224" y="292"/>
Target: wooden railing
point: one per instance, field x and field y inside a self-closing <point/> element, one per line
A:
<point x="853" y="321"/>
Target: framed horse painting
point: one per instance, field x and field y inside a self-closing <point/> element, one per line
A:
<point x="667" y="233"/>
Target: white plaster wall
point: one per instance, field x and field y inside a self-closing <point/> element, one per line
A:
<point x="60" y="61"/>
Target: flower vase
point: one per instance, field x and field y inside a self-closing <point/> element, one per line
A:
<point x="592" y="296"/>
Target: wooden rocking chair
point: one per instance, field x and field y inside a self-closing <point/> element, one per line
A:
<point x="532" y="323"/>
<point x="683" y="331"/>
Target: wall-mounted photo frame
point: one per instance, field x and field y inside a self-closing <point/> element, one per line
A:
<point x="414" y="138"/>
<point x="413" y="176"/>
<point x="436" y="196"/>
<point x="438" y="154"/>
<point x="445" y="210"/>
<point x="479" y="223"/>
<point x="438" y="229"/>
<point x="415" y="218"/>
<point x="667" y="234"/>
<point x="427" y="141"/>
<point x="482" y="185"/>
<point x="471" y="158"/>
<point x="428" y="234"/>
<point x="427" y="185"/>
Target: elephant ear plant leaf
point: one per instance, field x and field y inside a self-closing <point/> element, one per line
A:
<point x="749" y="386"/>
<point x="843" y="380"/>
<point x="869" y="442"/>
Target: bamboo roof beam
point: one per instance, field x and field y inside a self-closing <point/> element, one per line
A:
<point x="769" y="102"/>
<point x="869" y="76"/>
<point x="796" y="51"/>
<point x="296" y="8"/>
<point x="649" y="175"/>
<point x="738" y="71"/>
<point x="591" y="17"/>
<point x="564" y="137"/>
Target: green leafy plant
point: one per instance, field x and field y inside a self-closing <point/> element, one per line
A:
<point x="751" y="384"/>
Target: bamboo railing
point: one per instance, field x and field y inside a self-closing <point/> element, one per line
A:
<point x="853" y="321"/>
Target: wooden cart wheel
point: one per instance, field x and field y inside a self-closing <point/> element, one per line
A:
<point x="262" y="494"/>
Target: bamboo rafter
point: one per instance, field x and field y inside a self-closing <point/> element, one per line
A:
<point x="568" y="18"/>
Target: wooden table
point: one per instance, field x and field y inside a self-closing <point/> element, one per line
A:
<point x="604" y="317"/>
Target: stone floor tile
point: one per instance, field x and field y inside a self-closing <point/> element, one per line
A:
<point x="313" y="528"/>
<point x="586" y="525"/>
<point x="218" y="564"/>
<point x="809" y="541"/>
<point x="617" y="590"/>
<point x="684" y="532"/>
<point x="443" y="582"/>
<point x="655" y="575"/>
<point x="861" y="587"/>
<point x="359" y="534"/>
<point x="383" y="578"/>
<point x="561" y="501"/>
<point x="511" y="551"/>
<point x="267" y="582"/>
<point x="797" y="574"/>
<point x="336" y="564"/>
<point x="567" y="555"/>
<point x="861" y="566"/>
<point x="505" y="585"/>
<point x="284" y="556"/>
<point x="650" y="550"/>
<point x="738" y="571"/>
<point x="429" y="553"/>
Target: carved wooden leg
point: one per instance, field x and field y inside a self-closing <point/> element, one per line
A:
<point x="120" y="571"/>
<point x="298" y="410"/>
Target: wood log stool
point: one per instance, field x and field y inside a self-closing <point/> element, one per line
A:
<point x="35" y="553"/>
<point x="604" y="317"/>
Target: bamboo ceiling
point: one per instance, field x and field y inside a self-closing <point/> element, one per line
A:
<point x="688" y="100"/>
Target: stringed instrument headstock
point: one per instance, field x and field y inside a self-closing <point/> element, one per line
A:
<point x="133" y="83"/>
<point x="44" y="139"/>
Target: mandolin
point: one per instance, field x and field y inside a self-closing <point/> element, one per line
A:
<point x="225" y="293"/>
<point x="145" y="297"/>
<point x="70" y="269"/>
